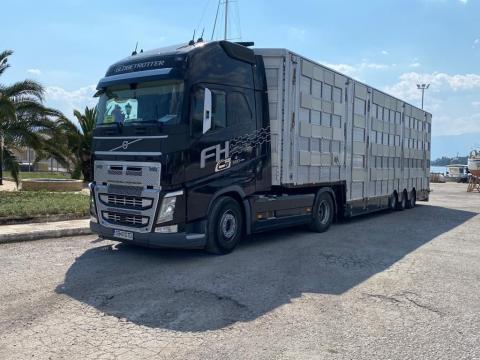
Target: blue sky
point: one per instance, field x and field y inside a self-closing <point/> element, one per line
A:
<point x="392" y="45"/>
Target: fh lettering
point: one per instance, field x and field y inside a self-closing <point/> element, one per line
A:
<point x="216" y="152"/>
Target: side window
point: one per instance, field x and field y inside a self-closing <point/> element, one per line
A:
<point x="196" y="110"/>
<point x="219" y="116"/>
<point x="239" y="111"/>
<point x="218" y="110"/>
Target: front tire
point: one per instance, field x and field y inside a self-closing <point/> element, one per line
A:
<point x="323" y="212"/>
<point x="225" y="226"/>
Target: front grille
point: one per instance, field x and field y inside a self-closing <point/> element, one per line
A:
<point x="126" y="201"/>
<point x="125" y="219"/>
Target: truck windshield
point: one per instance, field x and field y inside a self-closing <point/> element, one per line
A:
<point x="148" y="102"/>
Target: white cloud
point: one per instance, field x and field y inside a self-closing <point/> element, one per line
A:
<point x="456" y="125"/>
<point x="66" y="101"/>
<point x="406" y="88"/>
<point x="476" y="43"/>
<point x="343" y="68"/>
<point x="463" y="1"/>
<point x="35" y="72"/>
<point x="414" y="64"/>
<point x="384" y="52"/>
<point x="355" y="70"/>
<point x="451" y="114"/>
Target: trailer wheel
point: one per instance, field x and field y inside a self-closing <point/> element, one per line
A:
<point x="413" y="200"/>
<point x="224" y="226"/>
<point x="323" y="212"/>
<point x="402" y="204"/>
<point x="393" y="201"/>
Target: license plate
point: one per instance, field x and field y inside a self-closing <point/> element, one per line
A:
<point x="127" y="235"/>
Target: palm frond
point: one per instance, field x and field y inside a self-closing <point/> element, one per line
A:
<point x="4" y="60"/>
<point x="26" y="89"/>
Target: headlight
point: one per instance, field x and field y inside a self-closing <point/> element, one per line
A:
<point x="167" y="209"/>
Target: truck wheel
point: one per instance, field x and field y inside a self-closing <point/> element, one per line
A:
<point x="225" y="226"/>
<point x="402" y="204"/>
<point x="413" y="200"/>
<point x="393" y="201"/>
<point x="323" y="212"/>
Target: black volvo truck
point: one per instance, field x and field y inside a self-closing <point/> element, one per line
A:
<point x="194" y="149"/>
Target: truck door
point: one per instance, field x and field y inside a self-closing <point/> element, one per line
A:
<point x="223" y="128"/>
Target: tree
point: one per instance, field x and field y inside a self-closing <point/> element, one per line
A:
<point x="24" y="121"/>
<point x="71" y="145"/>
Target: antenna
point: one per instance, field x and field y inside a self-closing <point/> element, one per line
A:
<point x="200" y="39"/>
<point x="226" y="13"/>
<point x="216" y="17"/>
<point x="134" y="52"/>
<point x="192" y="42"/>
<point x="226" y="20"/>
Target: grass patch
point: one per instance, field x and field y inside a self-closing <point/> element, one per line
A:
<point x="38" y="175"/>
<point x="26" y="204"/>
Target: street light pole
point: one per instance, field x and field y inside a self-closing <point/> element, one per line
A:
<point x="423" y="87"/>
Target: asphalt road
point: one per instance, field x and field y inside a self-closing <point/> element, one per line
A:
<point x="402" y="285"/>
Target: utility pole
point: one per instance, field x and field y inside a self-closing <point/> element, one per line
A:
<point x="226" y="20"/>
<point x="423" y="87"/>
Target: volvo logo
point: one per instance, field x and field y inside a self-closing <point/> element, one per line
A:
<point x="126" y="144"/>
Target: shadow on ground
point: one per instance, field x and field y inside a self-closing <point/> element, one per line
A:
<point x="194" y="291"/>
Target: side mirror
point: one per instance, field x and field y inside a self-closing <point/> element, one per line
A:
<point x="207" y="111"/>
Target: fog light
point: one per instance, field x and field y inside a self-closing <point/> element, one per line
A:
<point x="167" y="229"/>
<point x="93" y="219"/>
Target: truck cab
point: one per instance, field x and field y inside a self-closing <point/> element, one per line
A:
<point x="177" y="128"/>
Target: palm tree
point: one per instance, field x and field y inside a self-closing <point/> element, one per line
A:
<point x="71" y="144"/>
<point x="24" y="121"/>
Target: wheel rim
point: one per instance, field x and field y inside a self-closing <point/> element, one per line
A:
<point x="323" y="212"/>
<point x="228" y="225"/>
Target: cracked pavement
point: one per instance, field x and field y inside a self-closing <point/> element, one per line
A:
<point x="401" y="285"/>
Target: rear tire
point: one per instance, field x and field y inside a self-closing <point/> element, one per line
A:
<point x="402" y="204"/>
<point x="224" y="226"/>
<point x="412" y="202"/>
<point x="323" y="212"/>
<point x="393" y="201"/>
